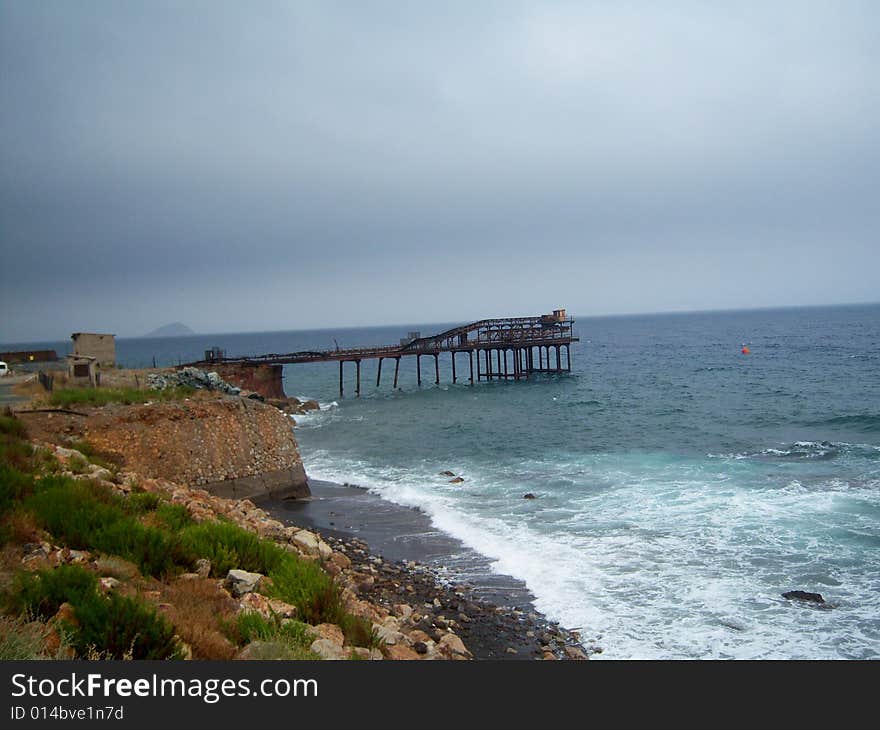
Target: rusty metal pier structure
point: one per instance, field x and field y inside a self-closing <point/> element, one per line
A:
<point x="502" y="348"/>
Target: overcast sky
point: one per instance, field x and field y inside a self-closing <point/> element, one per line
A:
<point x="279" y="165"/>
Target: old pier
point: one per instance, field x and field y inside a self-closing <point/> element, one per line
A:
<point x="501" y="348"/>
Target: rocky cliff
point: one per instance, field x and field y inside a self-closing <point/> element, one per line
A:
<point x="231" y="447"/>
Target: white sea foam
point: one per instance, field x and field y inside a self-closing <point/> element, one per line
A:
<point x="676" y="560"/>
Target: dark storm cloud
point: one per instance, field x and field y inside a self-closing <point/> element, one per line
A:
<point x="278" y="164"/>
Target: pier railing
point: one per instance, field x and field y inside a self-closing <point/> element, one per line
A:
<point x="488" y="341"/>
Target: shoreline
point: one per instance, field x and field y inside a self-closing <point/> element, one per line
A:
<point x="413" y="565"/>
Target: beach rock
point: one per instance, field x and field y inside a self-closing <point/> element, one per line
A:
<point x="203" y="567"/>
<point x="327" y="649"/>
<point x="575" y="653"/>
<point x="340" y="560"/>
<point x="398" y="652"/>
<point x="450" y="644"/>
<point x="420" y="647"/>
<point x="447" y="474"/>
<point x="369" y="654"/>
<point x="307" y="541"/>
<point x="108" y="583"/>
<point x="529" y="495"/>
<point x="388" y="634"/>
<point x="281" y="609"/>
<point x="240" y="582"/>
<point x="257" y="603"/>
<point x="328" y="632"/>
<point x="417" y="635"/>
<point x="804" y="596"/>
<point x="457" y="480"/>
<point x="311" y="405"/>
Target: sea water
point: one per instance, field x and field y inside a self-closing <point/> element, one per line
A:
<point x="681" y="486"/>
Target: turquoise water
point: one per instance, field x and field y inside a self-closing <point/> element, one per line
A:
<point x="681" y="486"/>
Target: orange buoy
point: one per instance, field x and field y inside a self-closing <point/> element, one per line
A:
<point x="746" y="350"/>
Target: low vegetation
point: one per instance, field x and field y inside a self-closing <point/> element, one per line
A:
<point x="102" y="396"/>
<point x="145" y="544"/>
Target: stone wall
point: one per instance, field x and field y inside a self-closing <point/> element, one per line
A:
<point x="263" y="379"/>
<point x="233" y="447"/>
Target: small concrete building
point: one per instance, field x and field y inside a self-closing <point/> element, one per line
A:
<point x="99" y="346"/>
<point x="81" y="370"/>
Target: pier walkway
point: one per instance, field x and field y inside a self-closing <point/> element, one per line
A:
<point x="502" y="348"/>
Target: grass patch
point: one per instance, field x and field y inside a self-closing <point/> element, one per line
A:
<point x="303" y="584"/>
<point x="122" y="627"/>
<point x="23" y="639"/>
<point x="93" y="455"/>
<point x="113" y="626"/>
<point x="88" y="516"/>
<point x="11" y="426"/>
<point x="299" y="582"/>
<point x="228" y="546"/>
<point x="288" y="639"/>
<point x="42" y="593"/>
<point x="15" y="485"/>
<point x="103" y="396"/>
<point x="172" y="517"/>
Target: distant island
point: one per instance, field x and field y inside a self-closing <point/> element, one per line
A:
<point x="175" y="329"/>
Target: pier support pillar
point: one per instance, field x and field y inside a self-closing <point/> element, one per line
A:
<point x="558" y="360"/>
<point x="437" y="369"/>
<point x="357" y="387"/>
<point x="499" y="363"/>
<point x="396" y="370"/>
<point x="471" y="361"/>
<point x="379" y="372"/>
<point x="453" y="367"/>
<point x="340" y="377"/>
<point x="568" y="357"/>
<point x="418" y="368"/>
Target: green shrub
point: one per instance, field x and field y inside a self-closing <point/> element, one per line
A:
<point x="16" y="453"/>
<point x="121" y="627"/>
<point x="78" y="464"/>
<point x="142" y="502"/>
<point x="14" y="486"/>
<point x="88" y="516"/>
<point x="11" y="426"/>
<point x="173" y="517"/>
<point x="228" y="546"/>
<point x="252" y="626"/>
<point x="43" y="592"/>
<point x="303" y="584"/>
<point x="285" y="640"/>
<point x="155" y="551"/>
<point x="359" y="631"/>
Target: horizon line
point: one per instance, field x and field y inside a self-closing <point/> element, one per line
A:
<point x="654" y="313"/>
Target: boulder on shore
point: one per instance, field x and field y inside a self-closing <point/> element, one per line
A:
<point x="240" y="582"/>
<point x="804" y="596"/>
